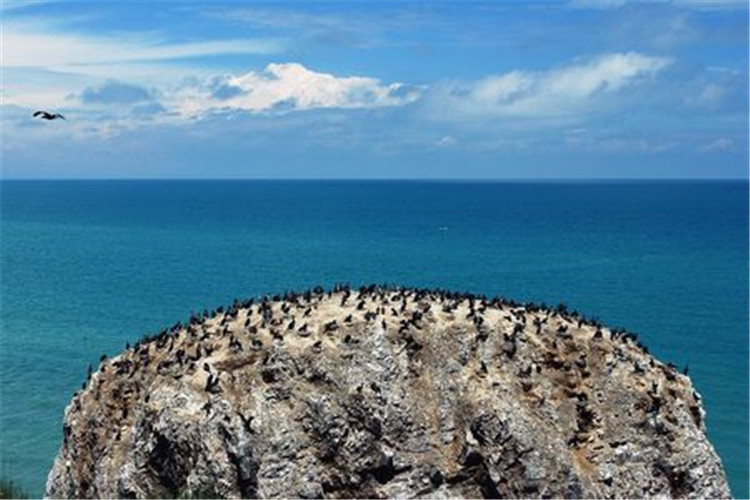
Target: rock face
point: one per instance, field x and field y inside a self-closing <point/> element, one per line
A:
<point x="383" y="393"/>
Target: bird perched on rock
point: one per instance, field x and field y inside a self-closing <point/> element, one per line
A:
<point x="45" y="115"/>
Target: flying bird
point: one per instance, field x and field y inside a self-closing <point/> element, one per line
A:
<point x="47" y="116"/>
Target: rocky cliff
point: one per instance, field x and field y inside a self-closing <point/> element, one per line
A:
<point x="382" y="393"/>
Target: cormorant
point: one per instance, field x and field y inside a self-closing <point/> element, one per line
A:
<point x="212" y="384"/>
<point x="47" y="116"/>
<point x="246" y="422"/>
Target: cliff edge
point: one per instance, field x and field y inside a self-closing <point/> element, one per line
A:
<point x="383" y="392"/>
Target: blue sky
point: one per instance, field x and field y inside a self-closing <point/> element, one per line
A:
<point x="568" y="89"/>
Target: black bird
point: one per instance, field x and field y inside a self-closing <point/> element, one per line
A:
<point x="47" y="116"/>
<point x="246" y="422"/>
<point x="212" y="384"/>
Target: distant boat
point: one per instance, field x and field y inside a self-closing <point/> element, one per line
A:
<point x="443" y="228"/>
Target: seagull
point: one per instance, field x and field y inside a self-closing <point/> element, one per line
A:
<point x="47" y="116"/>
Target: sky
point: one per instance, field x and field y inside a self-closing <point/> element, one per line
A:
<point x="569" y="89"/>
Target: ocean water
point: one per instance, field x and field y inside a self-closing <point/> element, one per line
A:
<point x="89" y="265"/>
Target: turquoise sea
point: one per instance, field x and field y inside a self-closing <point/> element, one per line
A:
<point x="89" y="265"/>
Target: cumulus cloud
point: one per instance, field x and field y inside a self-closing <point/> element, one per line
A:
<point x="558" y="92"/>
<point x="222" y="90"/>
<point x="112" y="106"/>
<point x="45" y="60"/>
<point x="287" y="87"/>
<point x="114" y="92"/>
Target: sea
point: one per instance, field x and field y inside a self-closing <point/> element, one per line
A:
<point x="87" y="266"/>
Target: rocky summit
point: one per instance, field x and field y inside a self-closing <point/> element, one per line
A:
<point x="386" y="392"/>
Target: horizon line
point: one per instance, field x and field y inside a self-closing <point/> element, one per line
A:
<point x="383" y="179"/>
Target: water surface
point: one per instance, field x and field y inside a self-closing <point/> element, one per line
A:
<point x="89" y="265"/>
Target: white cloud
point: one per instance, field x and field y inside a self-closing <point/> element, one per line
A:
<point x="597" y="4"/>
<point x="43" y="61"/>
<point x="336" y="25"/>
<point x="286" y="87"/>
<point x="556" y="93"/>
<point x="109" y="107"/>
<point x="709" y="97"/>
<point x="72" y="52"/>
<point x="502" y="88"/>
<point x="11" y="5"/>
<point x="690" y="4"/>
<point x="720" y="144"/>
<point x="607" y="142"/>
<point x="446" y="141"/>
<point x="711" y="4"/>
<point x="114" y="92"/>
